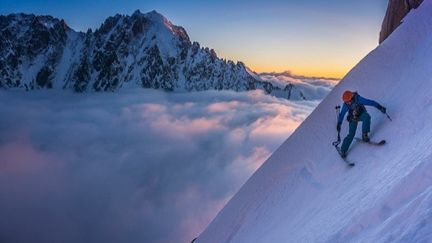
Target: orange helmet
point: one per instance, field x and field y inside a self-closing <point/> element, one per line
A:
<point x="347" y="96"/>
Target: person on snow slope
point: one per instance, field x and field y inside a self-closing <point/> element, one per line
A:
<point x="354" y="104"/>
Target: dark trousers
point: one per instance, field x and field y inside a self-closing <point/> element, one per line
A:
<point x="366" y="121"/>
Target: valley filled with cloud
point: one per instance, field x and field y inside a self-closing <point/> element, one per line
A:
<point x="131" y="166"/>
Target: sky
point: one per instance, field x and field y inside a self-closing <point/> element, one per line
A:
<point x="312" y="38"/>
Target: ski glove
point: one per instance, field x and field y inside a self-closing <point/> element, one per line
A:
<point x="382" y="109"/>
<point x="338" y="127"/>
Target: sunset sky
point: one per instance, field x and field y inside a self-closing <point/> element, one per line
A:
<point x="312" y="38"/>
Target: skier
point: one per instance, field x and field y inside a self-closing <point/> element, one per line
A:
<point x="354" y="104"/>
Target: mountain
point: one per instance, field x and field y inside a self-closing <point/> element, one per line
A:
<point x="305" y="193"/>
<point x="396" y="11"/>
<point x="141" y="50"/>
<point x="295" y="87"/>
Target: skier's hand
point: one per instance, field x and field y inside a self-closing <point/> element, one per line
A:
<point x="338" y="127"/>
<point x="382" y="109"/>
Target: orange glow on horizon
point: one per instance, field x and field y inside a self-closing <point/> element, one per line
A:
<point x="336" y="73"/>
<point x="329" y="59"/>
<point x="328" y="67"/>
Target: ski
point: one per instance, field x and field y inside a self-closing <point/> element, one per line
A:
<point x="350" y="163"/>
<point x="382" y="142"/>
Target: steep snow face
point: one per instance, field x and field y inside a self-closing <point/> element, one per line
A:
<point x="305" y="193"/>
<point x="164" y="34"/>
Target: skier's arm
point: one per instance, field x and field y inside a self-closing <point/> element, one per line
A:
<point x="342" y="113"/>
<point x="368" y="102"/>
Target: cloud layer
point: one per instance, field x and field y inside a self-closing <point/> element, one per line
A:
<point x="134" y="166"/>
<point x="313" y="88"/>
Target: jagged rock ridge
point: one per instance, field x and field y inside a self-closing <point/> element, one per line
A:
<point x="141" y="50"/>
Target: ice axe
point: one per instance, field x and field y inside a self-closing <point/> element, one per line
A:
<point x="337" y="142"/>
<point x="388" y="116"/>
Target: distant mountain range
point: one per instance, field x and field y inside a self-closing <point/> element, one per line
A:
<point x="141" y="50"/>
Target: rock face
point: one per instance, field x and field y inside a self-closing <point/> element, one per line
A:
<point x="141" y="50"/>
<point x="396" y="11"/>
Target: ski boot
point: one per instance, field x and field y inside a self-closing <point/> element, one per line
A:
<point x="343" y="154"/>
<point x="365" y="137"/>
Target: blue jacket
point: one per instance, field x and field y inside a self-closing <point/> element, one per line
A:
<point x="357" y="100"/>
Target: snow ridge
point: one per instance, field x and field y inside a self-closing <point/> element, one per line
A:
<point x="305" y="193"/>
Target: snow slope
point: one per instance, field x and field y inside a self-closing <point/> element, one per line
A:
<point x="305" y="193"/>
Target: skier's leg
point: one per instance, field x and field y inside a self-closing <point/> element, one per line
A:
<point x="348" y="139"/>
<point x="366" y="122"/>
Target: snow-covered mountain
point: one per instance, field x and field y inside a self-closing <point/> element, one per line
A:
<point x="141" y="50"/>
<point x="305" y="193"/>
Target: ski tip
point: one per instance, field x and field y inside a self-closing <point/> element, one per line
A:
<point x="382" y="142"/>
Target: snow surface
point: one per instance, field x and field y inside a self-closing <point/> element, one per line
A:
<point x="305" y="193"/>
<point x="70" y="56"/>
<point x="162" y="34"/>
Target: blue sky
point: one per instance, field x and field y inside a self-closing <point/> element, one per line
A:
<point x="312" y="37"/>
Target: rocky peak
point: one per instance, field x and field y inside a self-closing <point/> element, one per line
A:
<point x="396" y="11"/>
<point x="161" y="21"/>
<point x="156" y="18"/>
<point x="31" y="34"/>
<point x="44" y="21"/>
<point x="138" y="50"/>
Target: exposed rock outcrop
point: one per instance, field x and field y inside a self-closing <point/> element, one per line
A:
<point x="396" y="11"/>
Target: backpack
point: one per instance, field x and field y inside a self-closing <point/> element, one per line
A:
<point x="355" y="109"/>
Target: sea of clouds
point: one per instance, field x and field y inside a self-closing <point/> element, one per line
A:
<point x="132" y="166"/>
<point x="313" y="88"/>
